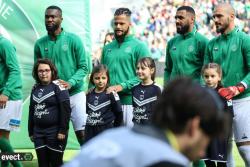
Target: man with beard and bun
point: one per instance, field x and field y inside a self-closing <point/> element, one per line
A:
<point x="121" y="56"/>
<point x="66" y="51"/>
<point x="184" y="54"/>
<point x="231" y="50"/>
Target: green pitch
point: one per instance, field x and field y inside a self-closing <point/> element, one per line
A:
<point x="69" y="154"/>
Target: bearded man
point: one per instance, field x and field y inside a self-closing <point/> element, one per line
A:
<point x="121" y="56"/>
<point x="185" y="52"/>
<point x="66" y="51"/>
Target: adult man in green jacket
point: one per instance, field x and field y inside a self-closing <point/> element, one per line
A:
<point x="66" y="51"/>
<point x="231" y="50"/>
<point x="121" y="56"/>
<point x="10" y="97"/>
<point x="185" y="52"/>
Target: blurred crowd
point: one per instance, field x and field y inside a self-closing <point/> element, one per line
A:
<point x="154" y="22"/>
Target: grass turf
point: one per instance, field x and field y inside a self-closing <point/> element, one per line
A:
<point x="69" y="154"/>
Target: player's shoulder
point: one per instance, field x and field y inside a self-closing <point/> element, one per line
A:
<point x="157" y="87"/>
<point x="176" y="38"/>
<point x="71" y="35"/>
<point x="243" y="36"/>
<point x="43" y="39"/>
<point x="213" y="40"/>
<point x="137" y="43"/>
<point x="201" y="37"/>
<point x="4" y="42"/>
<point x="110" y="45"/>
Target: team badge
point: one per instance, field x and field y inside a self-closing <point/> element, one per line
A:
<point x="234" y="48"/>
<point x="65" y="47"/>
<point x="191" y="48"/>
<point x="40" y="93"/>
<point x="128" y="49"/>
<point x="96" y="100"/>
<point x="142" y="95"/>
<point x="174" y="48"/>
<point x="216" y="49"/>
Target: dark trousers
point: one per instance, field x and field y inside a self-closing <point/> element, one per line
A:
<point x="92" y="131"/>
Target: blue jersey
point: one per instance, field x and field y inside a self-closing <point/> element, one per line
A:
<point x="49" y="107"/>
<point x="218" y="148"/>
<point x="103" y="108"/>
<point x="144" y="98"/>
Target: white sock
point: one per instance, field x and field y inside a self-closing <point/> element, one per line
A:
<point x="245" y="154"/>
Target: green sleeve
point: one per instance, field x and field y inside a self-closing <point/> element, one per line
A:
<point x="207" y="55"/>
<point x="202" y="52"/>
<point x="203" y="46"/>
<point x="127" y="85"/>
<point x="140" y="51"/>
<point x="168" y="65"/>
<point x="14" y="77"/>
<point x="37" y="53"/>
<point x="82" y="67"/>
<point x="102" y="59"/>
<point x="246" y="55"/>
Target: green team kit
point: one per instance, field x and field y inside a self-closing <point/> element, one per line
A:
<point x="233" y="47"/>
<point x="73" y="66"/>
<point x="121" y="60"/>
<point x="10" y="72"/>
<point x="184" y="55"/>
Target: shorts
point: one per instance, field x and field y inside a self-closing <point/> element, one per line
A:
<point x="78" y="111"/>
<point x="128" y="115"/>
<point x="10" y="116"/>
<point x="241" y="119"/>
<point x="47" y="137"/>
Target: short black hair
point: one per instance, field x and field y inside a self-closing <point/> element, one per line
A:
<point x="55" y="7"/>
<point x="121" y="11"/>
<point x="184" y="99"/>
<point x="189" y="9"/>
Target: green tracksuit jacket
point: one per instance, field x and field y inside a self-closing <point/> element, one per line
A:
<point x="185" y="56"/>
<point x="10" y="76"/>
<point x="68" y="55"/>
<point x="121" y="60"/>
<point x="232" y="53"/>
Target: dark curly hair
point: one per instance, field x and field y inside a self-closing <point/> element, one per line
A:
<point x="53" y="69"/>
